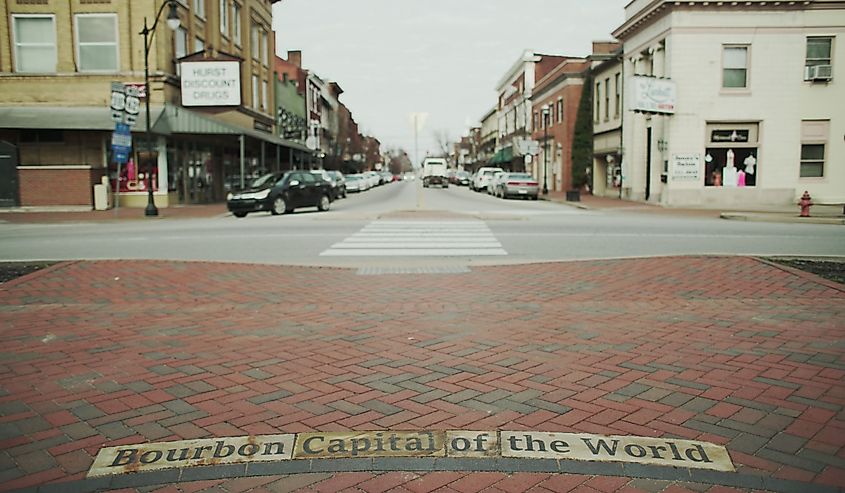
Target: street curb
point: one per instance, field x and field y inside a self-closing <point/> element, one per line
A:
<point x="771" y="218"/>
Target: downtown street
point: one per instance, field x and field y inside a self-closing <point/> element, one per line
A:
<point x="414" y="339"/>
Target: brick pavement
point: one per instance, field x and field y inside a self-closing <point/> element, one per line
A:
<point x="734" y="351"/>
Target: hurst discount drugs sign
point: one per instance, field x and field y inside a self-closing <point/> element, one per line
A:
<point x="426" y="443"/>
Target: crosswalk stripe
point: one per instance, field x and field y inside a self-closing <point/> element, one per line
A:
<point x="419" y="238"/>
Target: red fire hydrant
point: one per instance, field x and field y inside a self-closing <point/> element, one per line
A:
<point x="805" y="204"/>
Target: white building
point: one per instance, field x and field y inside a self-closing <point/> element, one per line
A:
<point x="733" y="104"/>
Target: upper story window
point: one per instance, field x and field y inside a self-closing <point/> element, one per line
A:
<point x="254" y="42"/>
<point x="618" y="97"/>
<point x="265" y="48"/>
<point x="735" y="67"/>
<point x="199" y="45"/>
<point x="224" y="17"/>
<point x="180" y="39"/>
<point x="597" y="96"/>
<point x="35" y="43"/>
<point x="199" y="8"/>
<point x="818" y="64"/>
<point x="236" y="23"/>
<point x="96" y="42"/>
<point x="559" y="110"/>
<point x="607" y="99"/>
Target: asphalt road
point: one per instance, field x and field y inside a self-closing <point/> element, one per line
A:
<point x="403" y="224"/>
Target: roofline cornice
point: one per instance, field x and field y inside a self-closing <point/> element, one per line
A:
<point x="527" y="56"/>
<point x="658" y="8"/>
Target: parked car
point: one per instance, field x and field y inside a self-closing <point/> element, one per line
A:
<point x="493" y="183"/>
<point x="338" y="182"/>
<point x="338" y="189"/>
<point x="373" y="178"/>
<point x="280" y="193"/>
<point x="463" y="178"/>
<point x="482" y="177"/>
<point x="355" y="183"/>
<point x="518" y="185"/>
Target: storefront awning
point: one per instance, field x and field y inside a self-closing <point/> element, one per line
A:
<point x="64" y="117"/>
<point x="502" y="156"/>
<point x="167" y="120"/>
<point x="178" y="120"/>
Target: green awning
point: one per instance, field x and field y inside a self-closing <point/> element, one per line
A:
<point x="504" y="155"/>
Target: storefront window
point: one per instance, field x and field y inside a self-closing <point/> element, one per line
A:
<point x="731" y="157"/>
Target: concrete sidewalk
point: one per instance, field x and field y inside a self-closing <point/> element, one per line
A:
<point x="732" y="351"/>
<point x="820" y="214"/>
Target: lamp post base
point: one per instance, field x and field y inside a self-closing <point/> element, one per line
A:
<point x="151" y="209"/>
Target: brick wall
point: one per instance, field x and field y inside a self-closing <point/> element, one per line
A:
<point x="56" y="187"/>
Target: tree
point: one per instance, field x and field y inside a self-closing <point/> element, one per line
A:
<point x="582" y="140"/>
<point x="444" y="143"/>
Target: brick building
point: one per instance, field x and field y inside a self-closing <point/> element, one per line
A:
<point x="58" y="61"/>
<point x="554" y="105"/>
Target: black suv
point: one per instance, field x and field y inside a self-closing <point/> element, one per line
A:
<point x="280" y="193"/>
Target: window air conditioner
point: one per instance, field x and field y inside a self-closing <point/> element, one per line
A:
<point x="818" y="72"/>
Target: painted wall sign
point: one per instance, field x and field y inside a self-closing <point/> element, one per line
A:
<point x="425" y="443"/>
<point x="685" y="167"/>
<point x="651" y="95"/>
<point x="211" y="83"/>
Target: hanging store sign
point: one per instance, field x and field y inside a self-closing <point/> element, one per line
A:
<point x="215" y="83"/>
<point x="651" y="95"/>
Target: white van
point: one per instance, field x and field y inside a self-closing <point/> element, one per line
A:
<point x="481" y="178"/>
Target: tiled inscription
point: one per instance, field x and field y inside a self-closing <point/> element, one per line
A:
<point x="425" y="443"/>
<point x="642" y="450"/>
<point x="187" y="453"/>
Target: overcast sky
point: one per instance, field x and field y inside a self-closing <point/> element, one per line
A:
<point x="441" y="57"/>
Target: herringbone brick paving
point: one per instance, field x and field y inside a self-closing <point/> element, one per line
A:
<point x="733" y="351"/>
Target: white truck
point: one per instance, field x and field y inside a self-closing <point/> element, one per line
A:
<point x="434" y="172"/>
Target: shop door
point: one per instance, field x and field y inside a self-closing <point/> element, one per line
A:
<point x="8" y="175"/>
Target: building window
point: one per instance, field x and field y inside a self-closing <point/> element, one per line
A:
<point x="254" y="41"/>
<point x="255" y="103"/>
<point x="598" y="102"/>
<point x="264" y="95"/>
<point x="96" y="42"/>
<point x="618" y="97"/>
<point x="35" y="43"/>
<point x="814" y="135"/>
<point x="817" y="65"/>
<point x="199" y="8"/>
<point x="180" y="39"/>
<point x="199" y="45"/>
<point x="735" y="67"/>
<point x="265" y="48"/>
<point x="559" y="110"/>
<point x="812" y="160"/>
<point x="224" y="17"/>
<point x="607" y="99"/>
<point x="236" y="23"/>
<point x="731" y="157"/>
<point x="536" y="120"/>
<point x="818" y="51"/>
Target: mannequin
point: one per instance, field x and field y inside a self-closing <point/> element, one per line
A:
<point x="729" y="174"/>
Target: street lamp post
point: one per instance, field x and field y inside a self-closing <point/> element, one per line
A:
<point x="545" y="111"/>
<point x="148" y="32"/>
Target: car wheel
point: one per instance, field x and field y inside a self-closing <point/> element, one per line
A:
<point x="239" y="214"/>
<point x="325" y="203"/>
<point x="280" y="206"/>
